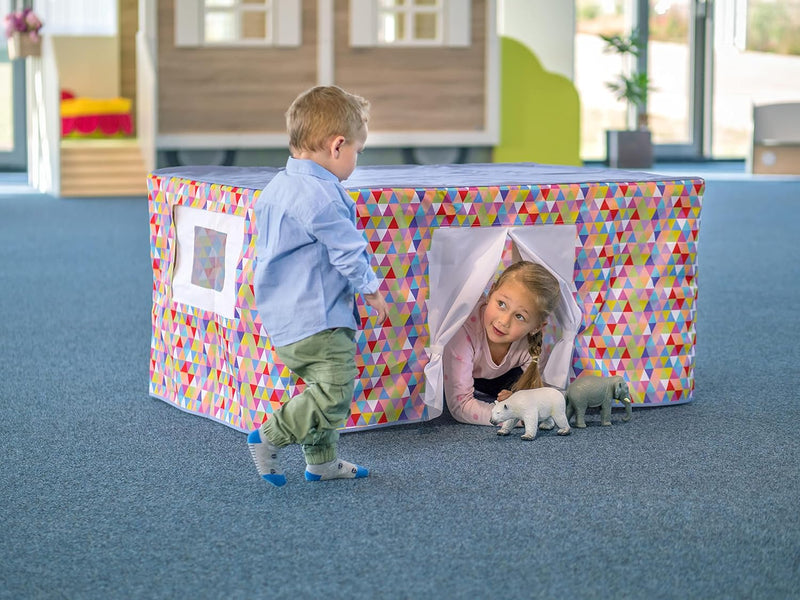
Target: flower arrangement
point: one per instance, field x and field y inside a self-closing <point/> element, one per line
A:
<point x="23" y="22"/>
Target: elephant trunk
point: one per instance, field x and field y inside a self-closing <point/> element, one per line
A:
<point x="628" y="409"/>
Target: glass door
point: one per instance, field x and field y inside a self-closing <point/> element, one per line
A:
<point x="13" y="148"/>
<point x="756" y="61"/>
<point x="674" y="57"/>
<point x="676" y="64"/>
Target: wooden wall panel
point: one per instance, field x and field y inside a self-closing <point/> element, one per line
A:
<point x="412" y="89"/>
<point x="128" y="25"/>
<point x="231" y="90"/>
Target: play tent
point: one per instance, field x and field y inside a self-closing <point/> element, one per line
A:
<point x="623" y="245"/>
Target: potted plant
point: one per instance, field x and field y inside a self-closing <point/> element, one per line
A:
<point x="22" y="30"/>
<point x="632" y="147"/>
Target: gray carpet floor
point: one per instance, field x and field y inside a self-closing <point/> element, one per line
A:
<point x="108" y="493"/>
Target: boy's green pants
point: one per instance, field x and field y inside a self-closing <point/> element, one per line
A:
<point x="326" y="362"/>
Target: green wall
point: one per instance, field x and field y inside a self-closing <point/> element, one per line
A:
<point x="539" y="111"/>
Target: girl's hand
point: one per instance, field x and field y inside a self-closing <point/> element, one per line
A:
<point x="503" y="395"/>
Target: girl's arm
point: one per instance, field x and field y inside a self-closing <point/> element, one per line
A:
<point x="458" y="361"/>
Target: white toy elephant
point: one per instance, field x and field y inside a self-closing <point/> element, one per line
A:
<point x="531" y="406"/>
<point x="591" y="390"/>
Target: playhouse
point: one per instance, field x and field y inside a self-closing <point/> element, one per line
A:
<point x="204" y="82"/>
<point x="622" y="244"/>
<point x="410" y="59"/>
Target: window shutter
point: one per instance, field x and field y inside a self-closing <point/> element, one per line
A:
<point x="288" y="21"/>
<point x="458" y="23"/>
<point x="188" y="23"/>
<point x="363" y="23"/>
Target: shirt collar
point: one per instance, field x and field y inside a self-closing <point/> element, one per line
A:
<point x="302" y="166"/>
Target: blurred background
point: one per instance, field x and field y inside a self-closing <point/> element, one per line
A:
<point x="708" y="63"/>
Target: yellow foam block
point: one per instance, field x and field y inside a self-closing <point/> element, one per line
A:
<point x="78" y="107"/>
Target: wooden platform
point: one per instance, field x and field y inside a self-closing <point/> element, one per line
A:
<point x="102" y="168"/>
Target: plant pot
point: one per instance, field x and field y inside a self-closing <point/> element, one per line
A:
<point x="21" y="45"/>
<point x="629" y="149"/>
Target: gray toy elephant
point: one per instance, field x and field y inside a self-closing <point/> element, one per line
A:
<point x="591" y="390"/>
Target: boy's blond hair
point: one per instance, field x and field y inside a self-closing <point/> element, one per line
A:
<point x="324" y="112"/>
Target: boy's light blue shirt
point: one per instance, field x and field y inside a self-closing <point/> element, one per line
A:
<point x="310" y="258"/>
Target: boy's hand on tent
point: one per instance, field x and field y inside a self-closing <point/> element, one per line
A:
<point x="378" y="302"/>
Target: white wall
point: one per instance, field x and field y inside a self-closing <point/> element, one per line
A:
<point x="77" y="17"/>
<point x="88" y="65"/>
<point x="547" y="27"/>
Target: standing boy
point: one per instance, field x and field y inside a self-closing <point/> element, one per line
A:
<point x="310" y="262"/>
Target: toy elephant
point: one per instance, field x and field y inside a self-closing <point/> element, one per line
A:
<point x="591" y="390"/>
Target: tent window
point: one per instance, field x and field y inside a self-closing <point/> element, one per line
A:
<point x="208" y="247"/>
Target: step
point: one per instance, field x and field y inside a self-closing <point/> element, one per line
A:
<point x="103" y="192"/>
<point x="95" y="168"/>
<point x="104" y="186"/>
<point x="103" y="179"/>
<point x="88" y="168"/>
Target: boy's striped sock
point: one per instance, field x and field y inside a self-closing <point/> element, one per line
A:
<point x="265" y="456"/>
<point x="335" y="469"/>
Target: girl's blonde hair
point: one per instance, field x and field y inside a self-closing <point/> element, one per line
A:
<point x="544" y="287"/>
<point x="324" y="112"/>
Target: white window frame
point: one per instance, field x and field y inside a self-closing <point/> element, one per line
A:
<point x="406" y="13"/>
<point x="453" y="30"/>
<point x="284" y="23"/>
<point x="238" y="9"/>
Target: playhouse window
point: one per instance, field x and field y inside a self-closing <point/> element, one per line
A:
<point x="231" y="21"/>
<point x="410" y="22"/>
<point x="237" y="22"/>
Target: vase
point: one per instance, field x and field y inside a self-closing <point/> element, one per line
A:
<point x="21" y="45"/>
<point x="629" y="149"/>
